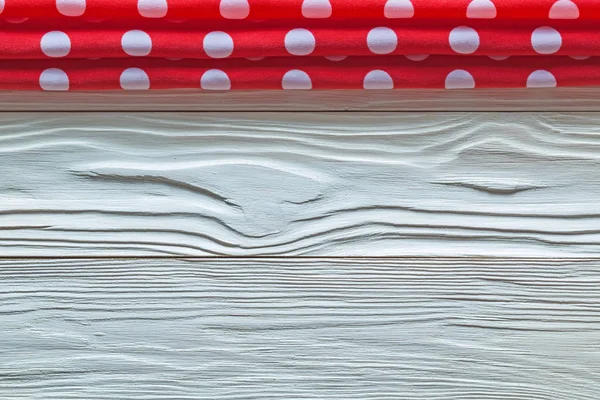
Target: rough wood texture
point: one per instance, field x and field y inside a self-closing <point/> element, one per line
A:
<point x="555" y="99"/>
<point x="489" y="184"/>
<point x="281" y="329"/>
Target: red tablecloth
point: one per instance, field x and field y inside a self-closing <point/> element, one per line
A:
<point x="297" y="44"/>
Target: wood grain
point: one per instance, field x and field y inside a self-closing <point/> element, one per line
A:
<point x="410" y="329"/>
<point x="406" y="100"/>
<point x="244" y="184"/>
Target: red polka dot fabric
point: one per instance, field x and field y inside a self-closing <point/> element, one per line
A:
<point x="297" y="44"/>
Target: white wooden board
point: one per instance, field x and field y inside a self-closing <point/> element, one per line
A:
<point x="333" y="184"/>
<point x="413" y="329"/>
<point x="486" y="226"/>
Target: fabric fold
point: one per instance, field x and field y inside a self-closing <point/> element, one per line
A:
<point x="194" y="40"/>
<point x="390" y="72"/>
<point x="309" y="9"/>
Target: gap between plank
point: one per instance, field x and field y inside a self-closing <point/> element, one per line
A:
<point x="306" y="258"/>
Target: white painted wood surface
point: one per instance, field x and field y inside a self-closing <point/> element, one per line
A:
<point x="327" y="184"/>
<point x="406" y="100"/>
<point x="445" y="201"/>
<point x="412" y="329"/>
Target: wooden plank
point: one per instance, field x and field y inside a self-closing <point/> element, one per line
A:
<point x="321" y="329"/>
<point x="555" y="99"/>
<point x="246" y="184"/>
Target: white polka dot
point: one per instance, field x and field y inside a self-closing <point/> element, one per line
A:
<point x="215" y="79"/>
<point x="218" y="44"/>
<point x="382" y="40"/>
<point x="336" y="58"/>
<point x="459" y="79"/>
<point x="378" y="79"/>
<point x="499" y="58"/>
<point x="398" y="9"/>
<point x="71" y="8"/>
<point x="1" y="6"/>
<point x="55" y="44"/>
<point x="234" y="9"/>
<point x="546" y="40"/>
<point x="16" y="20"/>
<point x="152" y="8"/>
<point x="416" y="57"/>
<point x="54" y="79"/>
<point x="134" y="79"/>
<point x="541" y="79"/>
<point x="481" y="9"/>
<point x="296" y="80"/>
<point x="300" y="42"/>
<point x="254" y="58"/>
<point x="464" y="40"/>
<point x="564" y="9"/>
<point x="316" y="9"/>
<point x="581" y="58"/>
<point x="136" y="43"/>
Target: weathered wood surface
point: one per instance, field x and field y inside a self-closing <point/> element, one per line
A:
<point x="413" y="329"/>
<point x="244" y="184"/>
<point x="407" y="100"/>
